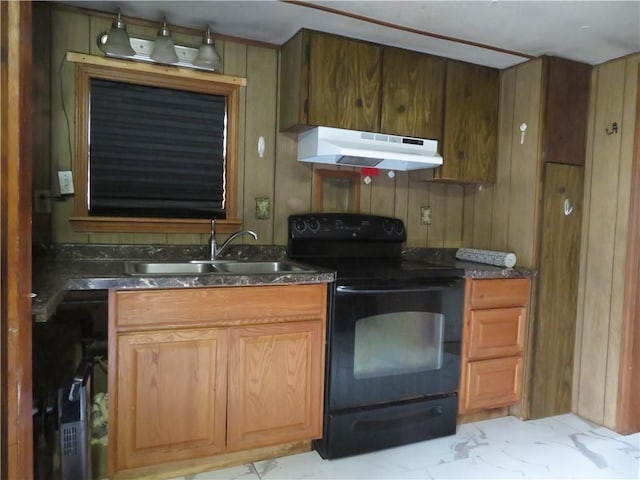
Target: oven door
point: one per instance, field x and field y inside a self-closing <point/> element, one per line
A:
<point x="394" y="341"/>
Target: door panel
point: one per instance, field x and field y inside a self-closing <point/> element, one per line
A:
<point x="159" y="375"/>
<point x="558" y="291"/>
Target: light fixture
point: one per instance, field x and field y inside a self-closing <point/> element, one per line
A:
<point x="208" y="57"/>
<point x="117" y="40"/>
<point x="164" y="50"/>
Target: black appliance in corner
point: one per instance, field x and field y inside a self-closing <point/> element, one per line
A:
<point x="394" y="331"/>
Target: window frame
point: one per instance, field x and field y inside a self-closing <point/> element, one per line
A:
<point x="88" y="67"/>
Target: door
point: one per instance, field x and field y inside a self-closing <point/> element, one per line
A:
<point x="552" y="359"/>
<point x="171" y="396"/>
<point x="392" y="341"/>
<point x="275" y="384"/>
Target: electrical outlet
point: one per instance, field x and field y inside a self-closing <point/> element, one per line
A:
<point x="425" y="215"/>
<point x="65" y="180"/>
<point x="263" y="208"/>
<point x="42" y="201"/>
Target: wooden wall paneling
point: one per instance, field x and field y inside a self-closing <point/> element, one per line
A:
<point x="383" y="191"/>
<point x="628" y="413"/>
<point x="554" y="335"/>
<point x="482" y="205"/>
<point x="16" y="419"/>
<point x="454" y="215"/>
<point x="185" y="239"/>
<point x="438" y="204"/>
<point x="502" y="187"/>
<point x="401" y="201"/>
<point x="365" y="191"/>
<point x="600" y="244"/>
<point x="586" y="208"/>
<point x="418" y="197"/>
<point x="468" y="214"/>
<point x="293" y="181"/>
<point x="526" y="166"/>
<point x="42" y="178"/>
<point x="262" y="63"/>
<point x="72" y="33"/>
<point x="626" y="132"/>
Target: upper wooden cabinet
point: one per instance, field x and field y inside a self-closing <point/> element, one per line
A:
<point x="330" y="81"/>
<point x="412" y="93"/>
<point x="566" y="93"/>
<point x="471" y="124"/>
<point x="340" y="82"/>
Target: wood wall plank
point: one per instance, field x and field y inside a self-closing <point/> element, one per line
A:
<point x="626" y="134"/>
<point x="599" y="242"/>
<point x="259" y="173"/>
<point x="526" y="165"/>
<point x="502" y="188"/>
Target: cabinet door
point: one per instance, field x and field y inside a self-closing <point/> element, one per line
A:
<point x="170" y="397"/>
<point x="470" y="124"/>
<point x="275" y="384"/>
<point x="412" y="93"/>
<point x="493" y="383"/>
<point x="344" y="83"/>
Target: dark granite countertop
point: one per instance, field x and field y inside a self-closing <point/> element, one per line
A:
<point x="447" y="257"/>
<point x="63" y="268"/>
<point x="58" y="270"/>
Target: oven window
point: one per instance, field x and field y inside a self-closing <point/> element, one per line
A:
<point x="398" y="343"/>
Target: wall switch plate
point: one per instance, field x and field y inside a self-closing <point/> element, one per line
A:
<point x="425" y="215"/>
<point x="42" y="201"/>
<point x="65" y="180"/>
<point x="263" y="208"/>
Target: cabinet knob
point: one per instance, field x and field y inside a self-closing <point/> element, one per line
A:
<point x="358" y="102"/>
<point x="401" y="109"/>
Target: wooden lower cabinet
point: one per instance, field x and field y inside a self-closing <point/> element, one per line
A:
<point x="493" y="343"/>
<point x="171" y="396"/>
<point x="223" y="370"/>
<point x="275" y="384"/>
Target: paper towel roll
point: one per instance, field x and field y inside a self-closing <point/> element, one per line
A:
<point x="490" y="257"/>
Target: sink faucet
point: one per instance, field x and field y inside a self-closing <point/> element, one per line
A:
<point x="213" y="246"/>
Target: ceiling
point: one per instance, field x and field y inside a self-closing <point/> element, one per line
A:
<point x="497" y="33"/>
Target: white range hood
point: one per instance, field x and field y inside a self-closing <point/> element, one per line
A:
<point x="336" y="146"/>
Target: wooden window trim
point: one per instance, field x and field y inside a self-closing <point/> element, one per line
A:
<point x="89" y="66"/>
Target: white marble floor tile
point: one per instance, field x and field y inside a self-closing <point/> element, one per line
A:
<point x="561" y="447"/>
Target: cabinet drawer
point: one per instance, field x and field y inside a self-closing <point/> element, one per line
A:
<point x="493" y="383"/>
<point x="511" y="292"/>
<point x="497" y="332"/>
<point x="219" y="305"/>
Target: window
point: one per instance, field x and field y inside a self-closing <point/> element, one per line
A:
<point x="156" y="147"/>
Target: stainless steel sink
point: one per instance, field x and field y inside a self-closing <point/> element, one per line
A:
<point x="168" y="268"/>
<point x="197" y="267"/>
<point x="244" y="267"/>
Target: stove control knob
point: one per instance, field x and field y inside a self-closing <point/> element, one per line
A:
<point x="387" y="227"/>
<point x="398" y="228"/>
<point x="299" y="225"/>
<point x="313" y="224"/>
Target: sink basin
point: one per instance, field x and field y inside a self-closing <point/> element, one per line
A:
<point x="197" y="267"/>
<point x="260" y="267"/>
<point x="168" y="268"/>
